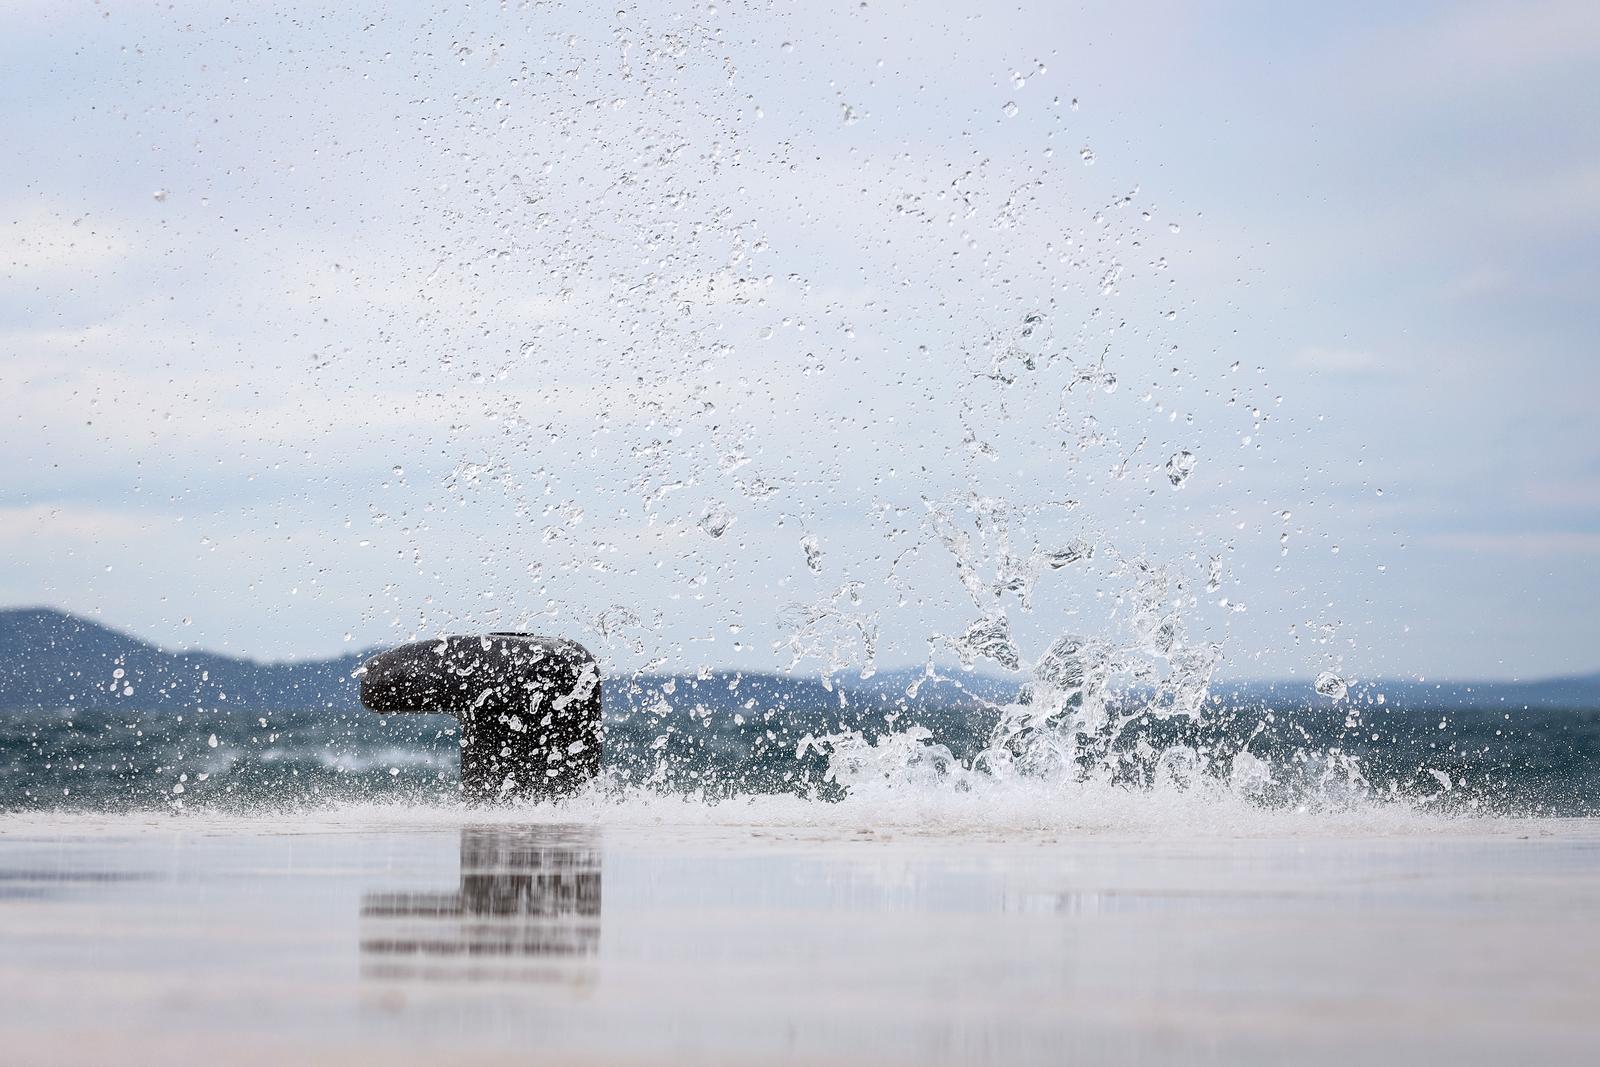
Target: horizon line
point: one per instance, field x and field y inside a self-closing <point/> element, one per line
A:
<point x="1590" y="675"/>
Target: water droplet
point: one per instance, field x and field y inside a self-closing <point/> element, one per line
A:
<point x="716" y="519"/>
<point x="991" y="638"/>
<point x="212" y="741"/>
<point x="1331" y="686"/>
<point x="1062" y="666"/>
<point x="1087" y="155"/>
<point x="1017" y="80"/>
<point x="160" y="194"/>
<point x="1180" y="466"/>
<point x="1010" y="109"/>
<point x="1064" y="557"/>
<point x="813" y="549"/>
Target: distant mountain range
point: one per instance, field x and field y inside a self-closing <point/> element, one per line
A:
<point x="51" y="660"/>
<point x="1578" y="691"/>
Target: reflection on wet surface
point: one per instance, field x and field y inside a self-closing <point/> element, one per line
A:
<point x="47" y="883"/>
<point x="525" y="892"/>
<point x="415" y="943"/>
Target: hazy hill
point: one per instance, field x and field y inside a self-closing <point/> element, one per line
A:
<point x="52" y="659"/>
<point x="1579" y="691"/>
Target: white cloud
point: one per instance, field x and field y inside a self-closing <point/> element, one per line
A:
<point x="1344" y="361"/>
<point x="1489" y="40"/>
<point x="724" y="287"/>
<point x="1542" y="543"/>
<point x="35" y="525"/>
<point x="1571" y="493"/>
<point x="1564" y="199"/>
<point x="1474" y="48"/>
<point x="1478" y="282"/>
<point x="38" y="241"/>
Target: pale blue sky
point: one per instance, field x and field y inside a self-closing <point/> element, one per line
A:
<point x="584" y="277"/>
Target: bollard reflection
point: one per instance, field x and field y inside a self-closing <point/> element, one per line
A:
<point x="527" y="903"/>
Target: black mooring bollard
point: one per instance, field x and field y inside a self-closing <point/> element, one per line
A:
<point x="529" y="708"/>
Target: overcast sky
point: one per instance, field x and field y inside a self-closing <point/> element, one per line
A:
<point x="708" y="334"/>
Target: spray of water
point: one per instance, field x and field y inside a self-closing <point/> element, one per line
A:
<point x="707" y="356"/>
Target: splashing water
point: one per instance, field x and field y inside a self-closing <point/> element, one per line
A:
<point x="1179" y="467"/>
<point x="1331" y="686"/>
<point x="637" y="373"/>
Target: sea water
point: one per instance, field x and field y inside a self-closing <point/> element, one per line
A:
<point x="1484" y="761"/>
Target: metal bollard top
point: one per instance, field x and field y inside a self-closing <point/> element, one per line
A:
<point x="529" y="707"/>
